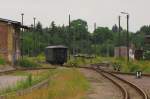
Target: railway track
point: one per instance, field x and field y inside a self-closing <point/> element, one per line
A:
<point x="117" y="72"/>
<point x="122" y="89"/>
<point x="131" y="91"/>
<point x="128" y="90"/>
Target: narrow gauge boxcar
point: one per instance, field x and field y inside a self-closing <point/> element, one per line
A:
<point x="56" y="54"/>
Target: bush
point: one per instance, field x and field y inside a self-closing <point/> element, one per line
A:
<point x="72" y="63"/>
<point x="2" y="61"/>
<point x="133" y="67"/>
<point x="27" y="63"/>
<point x="40" y="58"/>
<point x="147" y="55"/>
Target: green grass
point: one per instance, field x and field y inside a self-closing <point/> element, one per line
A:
<point x="64" y="84"/>
<point x="27" y="62"/>
<point x="32" y="78"/>
<point x="132" y="65"/>
<point x="2" y="61"/>
<point x="80" y="61"/>
<point x="124" y="66"/>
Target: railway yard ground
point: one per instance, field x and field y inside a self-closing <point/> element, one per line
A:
<point x="101" y="88"/>
<point x="71" y="83"/>
<point x="143" y="82"/>
<point x="62" y="84"/>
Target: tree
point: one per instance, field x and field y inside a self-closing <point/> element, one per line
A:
<point x="102" y="34"/>
<point x="138" y="40"/>
<point x="115" y="28"/>
<point x="39" y="27"/>
<point x="79" y="34"/>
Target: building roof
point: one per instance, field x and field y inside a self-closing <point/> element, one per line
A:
<point x="56" y="46"/>
<point x="16" y="23"/>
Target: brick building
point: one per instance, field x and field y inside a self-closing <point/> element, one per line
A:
<point x="10" y="39"/>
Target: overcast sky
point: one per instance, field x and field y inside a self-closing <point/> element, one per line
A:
<point x="103" y="12"/>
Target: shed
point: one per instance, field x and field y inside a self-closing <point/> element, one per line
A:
<point x="10" y="40"/>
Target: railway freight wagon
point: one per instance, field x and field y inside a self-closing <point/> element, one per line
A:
<point x="56" y="54"/>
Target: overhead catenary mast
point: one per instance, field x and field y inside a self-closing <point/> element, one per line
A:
<point x="95" y="26"/>
<point x="22" y="17"/>
<point x="119" y="37"/>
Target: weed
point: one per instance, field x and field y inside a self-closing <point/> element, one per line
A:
<point x="27" y="63"/>
<point x="64" y="84"/>
<point x="2" y="61"/>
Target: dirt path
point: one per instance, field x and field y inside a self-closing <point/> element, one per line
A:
<point x="9" y="81"/>
<point x="101" y="88"/>
<point x="6" y="68"/>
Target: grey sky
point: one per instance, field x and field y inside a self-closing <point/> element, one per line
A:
<point x="103" y="12"/>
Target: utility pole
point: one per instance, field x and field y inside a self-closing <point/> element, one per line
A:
<point x="69" y="22"/>
<point x="69" y="32"/>
<point x="73" y="51"/>
<point x="119" y="37"/>
<point x="74" y="48"/>
<point x="127" y="42"/>
<point x="34" y="18"/>
<point x="127" y="37"/>
<point x="95" y="38"/>
<point x="22" y="16"/>
<point x="34" y="51"/>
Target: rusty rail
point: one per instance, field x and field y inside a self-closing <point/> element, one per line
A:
<point x="139" y="90"/>
<point x="123" y="90"/>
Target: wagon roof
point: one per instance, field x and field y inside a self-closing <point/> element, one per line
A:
<point x="57" y="46"/>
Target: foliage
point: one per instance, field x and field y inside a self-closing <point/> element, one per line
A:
<point x="25" y="62"/>
<point x="102" y="34"/>
<point x="131" y="66"/>
<point x="2" y="61"/>
<point x="138" y="40"/>
<point x="37" y="39"/>
<point x="147" y="55"/>
<point x="78" y="39"/>
<point x="75" y="37"/>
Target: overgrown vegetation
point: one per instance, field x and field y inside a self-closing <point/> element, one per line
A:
<point x="2" y="61"/>
<point x="118" y="64"/>
<point x="28" y="63"/>
<point x="147" y="55"/>
<point x="75" y="37"/>
<point x="30" y="78"/>
<point x="64" y="84"/>
<point x="82" y="61"/>
<point x="132" y="65"/>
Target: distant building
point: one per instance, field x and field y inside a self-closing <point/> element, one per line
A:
<point x="147" y="39"/>
<point x="10" y="39"/>
<point x="122" y="52"/>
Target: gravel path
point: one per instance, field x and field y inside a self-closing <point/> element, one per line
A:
<point x="6" y="68"/>
<point x="143" y="82"/>
<point x="9" y="81"/>
<point x="101" y="88"/>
